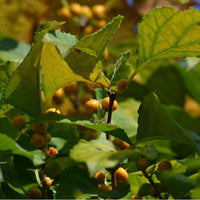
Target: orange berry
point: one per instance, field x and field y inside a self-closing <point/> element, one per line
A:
<point x="104" y="188"/>
<point x="49" y="181"/>
<point x="143" y="163"/>
<point x="120" y="143"/>
<point x="122" y="85"/>
<point x="121" y="174"/>
<point x="89" y="29"/>
<point x="58" y="96"/>
<point x="87" y="12"/>
<point x="106" y="103"/>
<point x="18" y="120"/>
<point x="76" y="9"/>
<point x="85" y="97"/>
<point x="91" y="105"/>
<point x="39" y="128"/>
<point x="37" y="140"/>
<point x="65" y="12"/>
<point x="71" y="88"/>
<point x="99" y="11"/>
<point x="101" y="23"/>
<point x="35" y="193"/>
<point x="136" y="196"/>
<point x="165" y="165"/>
<point x="56" y="110"/>
<point x="100" y="177"/>
<point x="52" y="151"/>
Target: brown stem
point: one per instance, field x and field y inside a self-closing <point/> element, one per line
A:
<point x="114" y="179"/>
<point x="112" y="99"/>
<point x="152" y="183"/>
<point x="44" y="185"/>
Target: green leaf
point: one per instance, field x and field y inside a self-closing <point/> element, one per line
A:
<point x="94" y="44"/>
<point x="177" y="184"/>
<point x="98" y="154"/>
<point x="23" y="89"/>
<point x="121" y="69"/>
<point x="165" y="33"/>
<point x="12" y="50"/>
<point x="156" y="123"/>
<point x="7" y="128"/>
<point x="9" y="144"/>
<point x="63" y="41"/>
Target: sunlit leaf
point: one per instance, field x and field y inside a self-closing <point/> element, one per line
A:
<point x="165" y="32"/>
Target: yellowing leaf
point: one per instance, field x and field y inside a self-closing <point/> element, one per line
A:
<point x="165" y="32"/>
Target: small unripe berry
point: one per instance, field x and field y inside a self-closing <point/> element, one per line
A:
<point x="136" y="196"/>
<point x="99" y="11"/>
<point x="122" y="85"/>
<point x="104" y="188"/>
<point x="37" y="140"/>
<point x="76" y="9"/>
<point x="49" y="181"/>
<point x="165" y="165"/>
<point x="35" y="193"/>
<point x="18" y="120"/>
<point x="120" y="143"/>
<point x="106" y="104"/>
<point x="52" y="151"/>
<point x="143" y="163"/>
<point x="100" y="177"/>
<point x="91" y="105"/>
<point x="121" y="174"/>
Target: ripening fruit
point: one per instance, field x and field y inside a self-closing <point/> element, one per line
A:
<point x="106" y="103"/>
<point x="122" y="85"/>
<point x="87" y="12"/>
<point x="91" y="105"/>
<point x="100" y="177"/>
<point x="35" y="193"/>
<point x="99" y="11"/>
<point x="49" y="181"/>
<point x="152" y="192"/>
<point x="104" y="188"/>
<point x="18" y="120"/>
<point x="88" y="29"/>
<point x="39" y="128"/>
<point x="56" y="110"/>
<point x="37" y="140"/>
<point x="101" y="23"/>
<point x="65" y="12"/>
<point x="71" y="88"/>
<point x="120" y="143"/>
<point x="58" y="96"/>
<point x="52" y="151"/>
<point x="165" y="165"/>
<point x="76" y="9"/>
<point x="136" y="196"/>
<point x="121" y="174"/>
<point x="91" y="87"/>
<point x="143" y="163"/>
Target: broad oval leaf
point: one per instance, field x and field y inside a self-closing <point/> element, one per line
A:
<point x="165" y="32"/>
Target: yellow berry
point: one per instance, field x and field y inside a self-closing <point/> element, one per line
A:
<point x="91" y="105"/>
<point x="76" y="9"/>
<point x="49" y="181"/>
<point x="100" y="177"/>
<point x="106" y="104"/>
<point x="121" y="174"/>
<point x="56" y="110"/>
<point x="101" y="23"/>
<point x="89" y="29"/>
<point x="65" y="12"/>
<point x="99" y="11"/>
<point x="87" y="12"/>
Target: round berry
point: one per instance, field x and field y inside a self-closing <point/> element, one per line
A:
<point x="86" y="11"/>
<point x="71" y="88"/>
<point x="142" y="164"/>
<point x="76" y="9"/>
<point x="121" y="174"/>
<point x="104" y="188"/>
<point x="35" y="193"/>
<point x="106" y="104"/>
<point x="99" y="11"/>
<point x="100" y="177"/>
<point x="39" y="128"/>
<point x="18" y="121"/>
<point x="37" y="140"/>
<point x="122" y="85"/>
<point x="101" y="23"/>
<point x="91" y="105"/>
<point x="165" y="165"/>
<point x="64" y="12"/>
